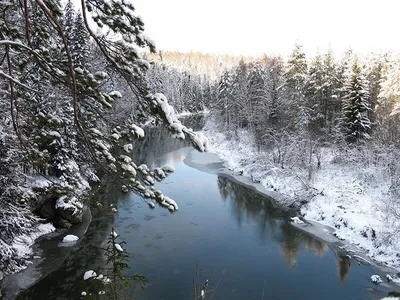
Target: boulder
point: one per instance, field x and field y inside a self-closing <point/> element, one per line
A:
<point x="71" y="215"/>
<point x="61" y="222"/>
<point x="48" y="210"/>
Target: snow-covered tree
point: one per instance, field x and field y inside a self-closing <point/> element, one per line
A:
<point x="356" y="106"/>
<point x="295" y="81"/>
<point x="58" y="105"/>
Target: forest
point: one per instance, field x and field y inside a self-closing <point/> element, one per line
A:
<point x="79" y="85"/>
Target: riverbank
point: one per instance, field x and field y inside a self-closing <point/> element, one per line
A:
<point x="348" y="195"/>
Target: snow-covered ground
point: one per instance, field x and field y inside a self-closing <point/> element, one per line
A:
<point x="23" y="243"/>
<point x="350" y="195"/>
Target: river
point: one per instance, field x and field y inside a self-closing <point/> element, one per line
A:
<point x="235" y="237"/>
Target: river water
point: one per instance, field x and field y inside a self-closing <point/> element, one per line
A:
<point x="235" y="237"/>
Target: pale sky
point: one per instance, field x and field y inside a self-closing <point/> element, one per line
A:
<point x="254" y="27"/>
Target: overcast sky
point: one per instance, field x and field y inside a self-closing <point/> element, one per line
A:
<point x="272" y="26"/>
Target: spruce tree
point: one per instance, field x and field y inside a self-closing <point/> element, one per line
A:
<point x="356" y="106"/>
<point x="295" y="83"/>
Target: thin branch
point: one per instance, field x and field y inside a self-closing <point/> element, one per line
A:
<point x="2" y="74"/>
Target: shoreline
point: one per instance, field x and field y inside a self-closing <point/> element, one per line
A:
<point x="216" y="165"/>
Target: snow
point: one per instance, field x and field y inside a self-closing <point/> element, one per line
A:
<point x="70" y="238"/>
<point x="128" y="148"/>
<point x="114" y="234"/>
<point x="89" y="274"/>
<point x="115" y="94"/>
<point x="83" y="294"/>
<point x="172" y="204"/>
<point x="41" y="182"/>
<point x="350" y="195"/>
<point x="55" y="134"/>
<point x="72" y="203"/>
<point x="168" y="169"/>
<point x="137" y="130"/>
<point x="390" y="298"/>
<point x="22" y="244"/>
<point x="376" y="279"/>
<point x="118" y="247"/>
<point x="297" y="220"/>
<point x="101" y="74"/>
<point x="78" y="71"/>
<point x="129" y="169"/>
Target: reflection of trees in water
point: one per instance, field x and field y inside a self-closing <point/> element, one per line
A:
<point x="249" y="204"/>
<point x="316" y="246"/>
<point x="343" y="267"/>
<point x="260" y="210"/>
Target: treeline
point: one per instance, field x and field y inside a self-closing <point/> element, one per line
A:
<point x="324" y="99"/>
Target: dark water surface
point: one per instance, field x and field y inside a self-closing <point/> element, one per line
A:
<point x="238" y="239"/>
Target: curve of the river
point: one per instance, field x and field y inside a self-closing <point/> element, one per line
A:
<point x="239" y="239"/>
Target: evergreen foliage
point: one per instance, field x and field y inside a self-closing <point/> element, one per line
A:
<point x="356" y="106"/>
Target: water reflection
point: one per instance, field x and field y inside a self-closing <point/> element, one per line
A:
<point x="221" y="225"/>
<point x="343" y="267"/>
<point x="248" y="205"/>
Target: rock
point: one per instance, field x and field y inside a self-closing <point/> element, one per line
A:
<point x="376" y="279"/>
<point x="48" y="210"/>
<point x="70" y="238"/>
<point x="61" y="222"/>
<point x="71" y="215"/>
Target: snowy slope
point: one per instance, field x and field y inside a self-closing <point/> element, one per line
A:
<point x="349" y="195"/>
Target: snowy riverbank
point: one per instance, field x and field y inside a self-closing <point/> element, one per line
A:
<point x="350" y="195"/>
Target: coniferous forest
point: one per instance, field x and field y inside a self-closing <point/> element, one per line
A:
<point x="80" y="84"/>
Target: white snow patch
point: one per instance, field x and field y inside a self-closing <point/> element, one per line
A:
<point x="22" y="244"/>
<point x="376" y="279"/>
<point x="168" y="169"/>
<point x="89" y="274"/>
<point x="297" y="220"/>
<point x="70" y="238"/>
<point x="72" y="203"/>
<point x="118" y="247"/>
<point x="41" y="182"/>
<point x="128" y="148"/>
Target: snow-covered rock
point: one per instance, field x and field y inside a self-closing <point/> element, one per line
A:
<point x="297" y="220"/>
<point x="376" y="279"/>
<point x="89" y="274"/>
<point x="70" y="238"/>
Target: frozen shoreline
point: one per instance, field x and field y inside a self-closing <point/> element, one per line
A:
<point x="339" y="199"/>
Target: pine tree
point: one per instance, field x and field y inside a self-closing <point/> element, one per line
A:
<point x="79" y="42"/>
<point x="256" y="95"/>
<point x="225" y="98"/>
<point x="58" y="105"/>
<point x="356" y="106"/>
<point x="295" y="82"/>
